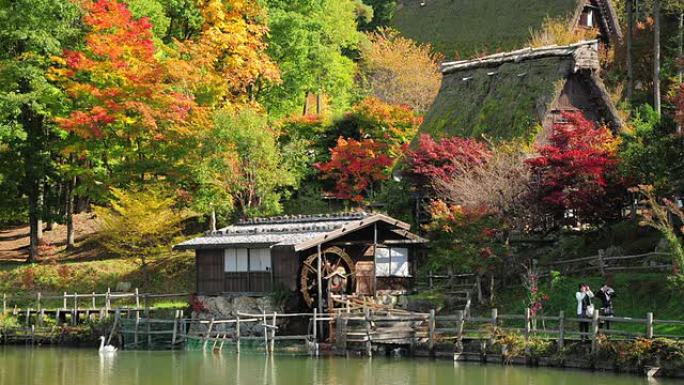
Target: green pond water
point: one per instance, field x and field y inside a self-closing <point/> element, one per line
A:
<point x="54" y="366"/>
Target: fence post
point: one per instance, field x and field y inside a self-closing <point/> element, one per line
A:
<point x="431" y="332"/>
<point x="459" y="331"/>
<point x="263" y="312"/>
<point x="527" y="324"/>
<point x="594" y="331"/>
<point x="369" y="342"/>
<point x="137" y="298"/>
<point x="147" y="306"/>
<point x="649" y="325"/>
<point x="38" y="296"/>
<point x="117" y="319"/>
<point x="64" y="303"/>
<point x="108" y="299"/>
<point x="75" y="301"/>
<point x="601" y="263"/>
<point x="94" y="302"/>
<point x="41" y="316"/>
<point x="561" y="330"/>
<point x="495" y="324"/>
<point x="430" y="280"/>
<point x="341" y="334"/>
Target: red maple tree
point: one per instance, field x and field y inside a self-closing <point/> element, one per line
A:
<point x="442" y="160"/>
<point x="355" y="166"/>
<point x="573" y="170"/>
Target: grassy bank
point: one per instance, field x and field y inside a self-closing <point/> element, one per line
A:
<point x="173" y="275"/>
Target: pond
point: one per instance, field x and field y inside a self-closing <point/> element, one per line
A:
<point x="60" y="366"/>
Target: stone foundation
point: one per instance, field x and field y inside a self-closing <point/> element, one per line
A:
<point x="228" y="307"/>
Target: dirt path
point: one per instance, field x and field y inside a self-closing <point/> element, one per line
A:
<point x="14" y="241"/>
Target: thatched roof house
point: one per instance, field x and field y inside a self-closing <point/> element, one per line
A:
<point x="467" y="27"/>
<point x="513" y="94"/>
<point x="317" y="255"/>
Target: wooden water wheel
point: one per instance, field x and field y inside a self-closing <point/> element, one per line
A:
<point x="337" y="271"/>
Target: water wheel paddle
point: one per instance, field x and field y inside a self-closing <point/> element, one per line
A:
<point x="337" y="274"/>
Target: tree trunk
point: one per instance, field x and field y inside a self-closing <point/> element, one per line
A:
<point x="34" y="223"/>
<point x="40" y="207"/>
<point x="630" y="60"/>
<point x="69" y="212"/>
<point x="656" y="57"/>
<point x="212" y="221"/>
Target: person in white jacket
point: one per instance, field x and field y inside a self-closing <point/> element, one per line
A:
<point x="583" y="296"/>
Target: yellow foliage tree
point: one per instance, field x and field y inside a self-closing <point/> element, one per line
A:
<point x="401" y="71"/>
<point x="559" y="31"/>
<point x="139" y="224"/>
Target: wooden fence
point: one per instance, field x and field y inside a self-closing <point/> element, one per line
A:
<point x="412" y="329"/>
<point x="602" y="264"/>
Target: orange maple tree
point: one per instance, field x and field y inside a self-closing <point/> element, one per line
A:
<point x="355" y="166"/>
<point x="119" y="86"/>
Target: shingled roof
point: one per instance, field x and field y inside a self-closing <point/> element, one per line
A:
<point x="508" y="95"/>
<point x="299" y="231"/>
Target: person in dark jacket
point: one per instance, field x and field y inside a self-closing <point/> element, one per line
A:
<point x="606" y="295"/>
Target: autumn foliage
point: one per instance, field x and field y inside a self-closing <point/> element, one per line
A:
<point x="355" y="166"/>
<point x="573" y="170"/>
<point x="442" y="159"/>
<point x="391" y="124"/>
<point x="119" y="85"/>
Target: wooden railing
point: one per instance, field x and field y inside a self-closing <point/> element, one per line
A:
<point x="602" y="264"/>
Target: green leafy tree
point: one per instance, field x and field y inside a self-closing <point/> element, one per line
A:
<point x="31" y="31"/>
<point x="261" y="175"/>
<point x="140" y="224"/>
<point x="313" y="42"/>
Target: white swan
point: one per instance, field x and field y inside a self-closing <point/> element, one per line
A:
<point x="106" y="348"/>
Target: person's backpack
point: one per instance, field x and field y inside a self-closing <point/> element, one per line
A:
<point x="588" y="306"/>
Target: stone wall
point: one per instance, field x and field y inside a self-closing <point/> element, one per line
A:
<point x="228" y="307"/>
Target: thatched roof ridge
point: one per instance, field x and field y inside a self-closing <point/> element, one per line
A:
<point x="584" y="50"/>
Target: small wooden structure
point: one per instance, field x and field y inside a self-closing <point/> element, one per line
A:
<point x="512" y="94"/>
<point x="316" y="255"/>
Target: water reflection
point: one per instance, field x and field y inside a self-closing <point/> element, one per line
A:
<point x="26" y="366"/>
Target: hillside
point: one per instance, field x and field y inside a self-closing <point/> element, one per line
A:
<point x="85" y="269"/>
<point x="455" y="27"/>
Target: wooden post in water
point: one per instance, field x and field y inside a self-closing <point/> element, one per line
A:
<point x="561" y="330"/>
<point x="117" y="318"/>
<point x="237" y="334"/>
<point x="149" y="335"/>
<point x="431" y="332"/>
<point x="369" y="342"/>
<point x="459" y="330"/>
<point x="273" y="332"/>
<point x="175" y="326"/>
<point x="527" y="324"/>
<point x="341" y="334"/>
<point x="263" y="312"/>
<point x="594" y="331"/>
<point x="315" y="326"/>
<point x="135" y="332"/>
<point x="649" y="325"/>
<point x="206" y="337"/>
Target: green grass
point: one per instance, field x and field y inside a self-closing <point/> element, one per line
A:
<point x="21" y="280"/>
<point x="637" y="294"/>
<point x="466" y="27"/>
